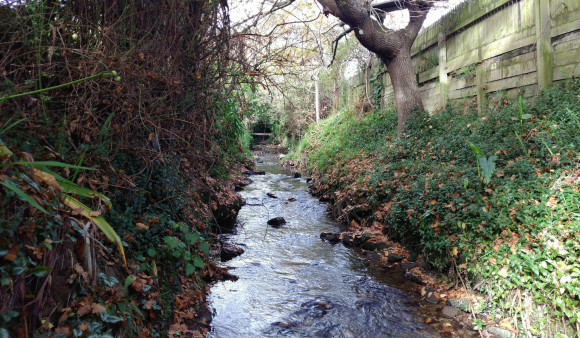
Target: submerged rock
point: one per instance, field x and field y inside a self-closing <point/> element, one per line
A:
<point x="297" y="175"/>
<point x="413" y="277"/>
<point x="271" y="195"/>
<point x="330" y="237"/>
<point x="277" y="222"/>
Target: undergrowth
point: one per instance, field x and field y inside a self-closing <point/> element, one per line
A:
<point x="490" y="197"/>
<point x="140" y="137"/>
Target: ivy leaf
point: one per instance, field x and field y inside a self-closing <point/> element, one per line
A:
<point x="9" y="315"/>
<point x="40" y="271"/>
<point x="191" y="238"/>
<point x="204" y="246"/>
<point x="4" y="333"/>
<point x="189" y="269"/>
<point x="109" y="281"/>
<point x="95" y="326"/>
<point x="197" y="261"/>
<point x="107" y="318"/>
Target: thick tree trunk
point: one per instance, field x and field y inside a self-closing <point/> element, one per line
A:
<point x="407" y="96"/>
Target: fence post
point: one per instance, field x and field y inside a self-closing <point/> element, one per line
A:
<point x="481" y="85"/>
<point x="443" y="81"/>
<point x="544" y="53"/>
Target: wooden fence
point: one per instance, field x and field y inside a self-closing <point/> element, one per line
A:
<point x="488" y="50"/>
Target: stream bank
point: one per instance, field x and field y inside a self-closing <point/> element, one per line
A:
<point x="291" y="283"/>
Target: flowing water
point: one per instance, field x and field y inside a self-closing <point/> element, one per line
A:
<point x="293" y="284"/>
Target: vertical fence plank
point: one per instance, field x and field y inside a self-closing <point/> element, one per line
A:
<point x="443" y="81"/>
<point x="544" y="53"/>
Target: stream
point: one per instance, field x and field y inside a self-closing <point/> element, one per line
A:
<point x="293" y="284"/>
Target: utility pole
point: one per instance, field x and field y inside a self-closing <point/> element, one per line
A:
<point x="316" y="97"/>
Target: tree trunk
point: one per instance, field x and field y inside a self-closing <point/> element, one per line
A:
<point x="407" y="96"/>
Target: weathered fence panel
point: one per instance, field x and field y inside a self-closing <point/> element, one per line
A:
<point x="488" y="50"/>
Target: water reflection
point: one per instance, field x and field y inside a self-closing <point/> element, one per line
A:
<point x="292" y="284"/>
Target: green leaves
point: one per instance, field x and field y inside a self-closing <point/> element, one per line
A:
<point x="192" y="238"/>
<point x="109" y="281"/>
<point x="42" y="164"/>
<point x="99" y="222"/>
<point x="475" y="149"/>
<point x="40" y="271"/>
<point x="22" y="195"/>
<point x="189" y="269"/>
<point x="130" y="279"/>
<point x="107" y="318"/>
<point x="487" y="167"/>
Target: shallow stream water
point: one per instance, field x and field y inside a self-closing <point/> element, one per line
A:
<point x="293" y="284"/>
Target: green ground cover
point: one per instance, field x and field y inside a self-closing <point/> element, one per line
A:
<point x="492" y="197"/>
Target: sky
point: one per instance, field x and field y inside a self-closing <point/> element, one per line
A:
<point x="241" y="9"/>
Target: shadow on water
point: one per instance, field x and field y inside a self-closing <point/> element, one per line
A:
<point x="293" y="284"/>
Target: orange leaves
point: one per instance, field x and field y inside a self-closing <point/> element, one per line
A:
<point x="86" y="306"/>
<point x="141" y="226"/>
<point x="12" y="253"/>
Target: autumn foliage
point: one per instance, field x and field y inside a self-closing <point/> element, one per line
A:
<point x="138" y="94"/>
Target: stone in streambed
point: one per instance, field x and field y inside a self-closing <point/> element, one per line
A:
<point x="430" y="296"/>
<point x="351" y="241"/>
<point x="499" y="332"/>
<point x="394" y="258"/>
<point x="277" y="222"/>
<point x="408" y="266"/>
<point x="372" y="246"/>
<point x="229" y="251"/>
<point x="297" y="175"/>
<point x="449" y="311"/>
<point x="330" y="237"/>
<point x="465" y="305"/>
<point x="413" y="277"/>
<point x="271" y="195"/>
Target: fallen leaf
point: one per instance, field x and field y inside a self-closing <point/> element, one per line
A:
<point x="141" y="226"/>
<point x="96" y="213"/>
<point x="12" y="253"/>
